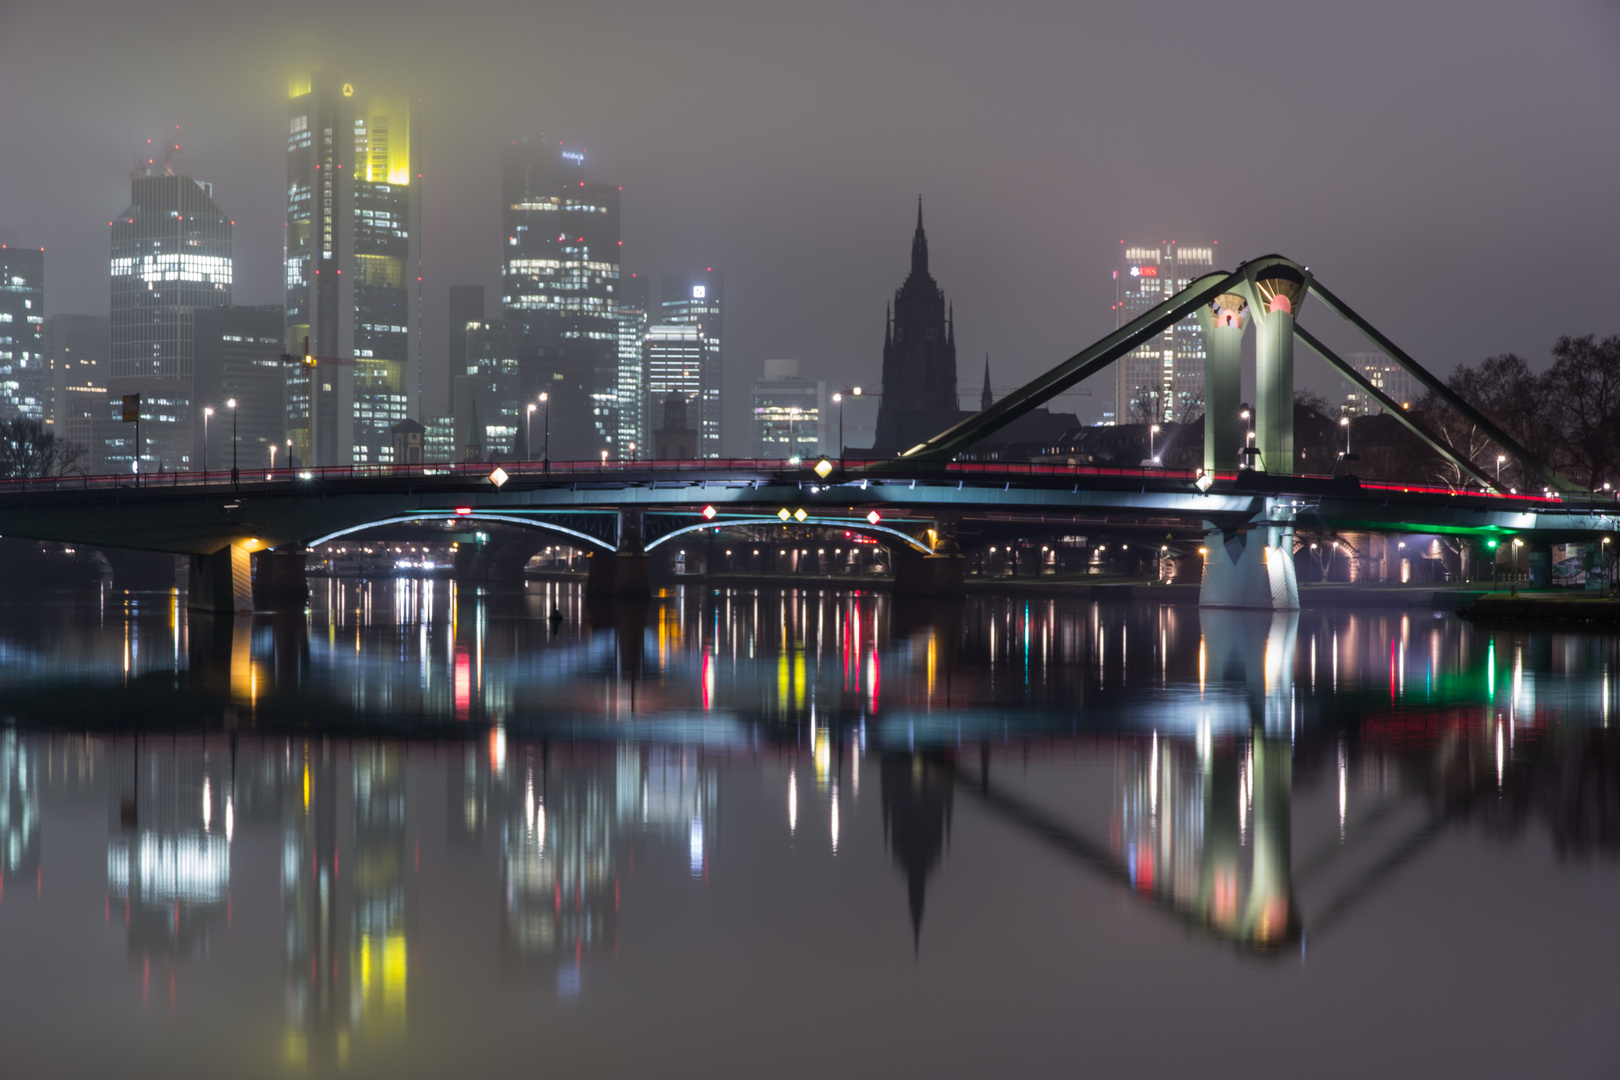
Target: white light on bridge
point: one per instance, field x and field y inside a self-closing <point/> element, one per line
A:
<point x="799" y="514"/>
<point x="708" y="513"/>
<point x="874" y="517"/>
<point x="823" y="467"/>
<point x="498" y="477"/>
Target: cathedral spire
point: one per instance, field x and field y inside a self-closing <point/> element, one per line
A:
<point x="919" y="245"/>
<point x="888" y="325"/>
<point x="985" y="399"/>
<point x="950" y="326"/>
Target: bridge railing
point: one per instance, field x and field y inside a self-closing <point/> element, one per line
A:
<point x="650" y="471"/>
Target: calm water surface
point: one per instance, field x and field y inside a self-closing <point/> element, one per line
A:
<point x="427" y="831"/>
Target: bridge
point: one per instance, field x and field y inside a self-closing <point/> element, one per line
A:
<point x="1240" y="510"/>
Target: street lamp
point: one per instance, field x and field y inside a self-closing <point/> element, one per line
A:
<point x="528" y="433"/>
<point x="231" y="405"/>
<point x="1513" y="586"/>
<point x="545" y="452"/>
<point x="793" y="414"/>
<point x="208" y="410"/>
<point x="1344" y="422"/>
<point x="1153" y="430"/>
<point x="1499" y="459"/>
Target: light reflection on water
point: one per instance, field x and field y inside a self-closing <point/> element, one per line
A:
<point x="387" y="834"/>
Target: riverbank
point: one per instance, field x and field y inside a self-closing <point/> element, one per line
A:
<point x="1550" y="607"/>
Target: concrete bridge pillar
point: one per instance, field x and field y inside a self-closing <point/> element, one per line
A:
<point x="278" y="577"/>
<point x="1278" y="296"/>
<point x="941" y="572"/>
<point x="1538" y="567"/>
<point x="1224" y="322"/>
<point x="1252" y="567"/>
<point x="222" y="581"/>
<point x="622" y="572"/>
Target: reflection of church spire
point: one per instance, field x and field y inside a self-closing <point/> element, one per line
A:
<point x="916" y="822"/>
<point x="985" y="398"/>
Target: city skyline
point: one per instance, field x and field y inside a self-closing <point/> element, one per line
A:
<point x="704" y="185"/>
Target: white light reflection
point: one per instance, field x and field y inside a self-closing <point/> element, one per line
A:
<point x="207" y="805"/>
<point x="1500" y="756"/>
<point x="835" y="815"/>
<point x="1344" y="789"/>
<point x="793" y="802"/>
<point x="697" y="846"/>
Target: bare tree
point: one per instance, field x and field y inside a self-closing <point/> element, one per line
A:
<point x="28" y="448"/>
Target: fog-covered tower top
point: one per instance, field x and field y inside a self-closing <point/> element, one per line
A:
<point x="171" y="254"/>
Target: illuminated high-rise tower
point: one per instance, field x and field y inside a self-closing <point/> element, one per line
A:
<point x="697" y="300"/>
<point x="353" y="269"/>
<point x="22" y="319"/>
<point x="1164" y="380"/>
<point x="560" y="268"/>
<point x="171" y="255"/>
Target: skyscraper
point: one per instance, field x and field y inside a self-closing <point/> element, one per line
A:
<point x="171" y="257"/>
<point x="238" y="357"/>
<point x="560" y="270"/>
<point x="353" y="269"/>
<point x="698" y="300"/>
<point x="466" y="307"/>
<point x="1164" y="379"/>
<point x="673" y="358"/>
<point x="919" y="357"/>
<point x="633" y="418"/>
<point x="76" y="395"/>
<point x="22" y="317"/>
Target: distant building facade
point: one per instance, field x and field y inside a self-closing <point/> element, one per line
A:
<point x="1163" y="380"/>
<point x="466" y="308"/>
<point x="238" y="358"/>
<point x="22" y="346"/>
<point x="353" y="268"/>
<point x="919" y="357"/>
<point x="171" y="258"/>
<point x="676" y="438"/>
<point x="788" y="412"/>
<point x="76" y="353"/>
<point x="1382" y="372"/>
<point x="697" y="300"/>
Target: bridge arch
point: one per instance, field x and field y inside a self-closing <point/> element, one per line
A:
<point x="535" y="524"/>
<point x="862" y="528"/>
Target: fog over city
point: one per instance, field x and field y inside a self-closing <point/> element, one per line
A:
<point x="1447" y="167"/>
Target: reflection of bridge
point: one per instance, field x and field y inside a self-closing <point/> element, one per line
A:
<point x="1245" y="502"/>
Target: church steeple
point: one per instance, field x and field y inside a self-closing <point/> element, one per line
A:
<point x="985" y="399"/>
<point x="919" y="245"/>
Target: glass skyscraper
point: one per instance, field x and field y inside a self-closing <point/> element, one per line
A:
<point x="560" y="267"/>
<point x="171" y="256"/>
<point x="22" y="318"/>
<point x="1162" y="380"/>
<point x="697" y="300"/>
<point x="633" y="314"/>
<point x="353" y="269"/>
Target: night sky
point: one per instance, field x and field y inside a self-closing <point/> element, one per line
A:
<point x="1446" y="166"/>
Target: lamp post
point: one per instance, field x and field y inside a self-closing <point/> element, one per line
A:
<point x="1513" y="585"/>
<point x="528" y="432"/>
<point x="1499" y="459"/>
<point x="1344" y="422"/>
<point x="289" y="451"/>
<point x="545" y="448"/>
<point x="1153" y="431"/>
<point x="273" y="449"/>
<point x="208" y="410"/>
<point x="231" y="405"/>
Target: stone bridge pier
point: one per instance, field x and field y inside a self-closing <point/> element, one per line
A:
<point x="941" y="572"/>
<point x="622" y="572"/>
